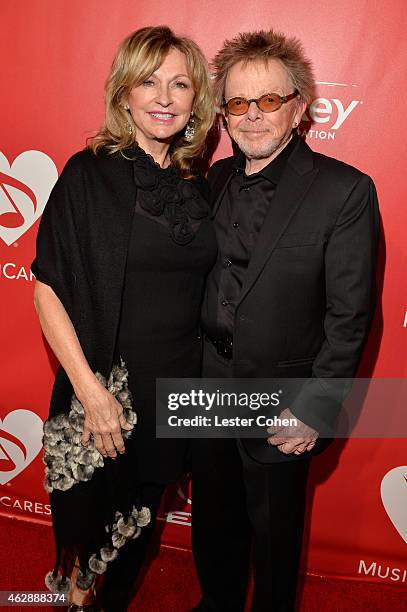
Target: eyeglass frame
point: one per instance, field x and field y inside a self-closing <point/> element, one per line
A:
<point x="283" y="100"/>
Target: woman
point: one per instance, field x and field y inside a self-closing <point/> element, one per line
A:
<point x="123" y="249"/>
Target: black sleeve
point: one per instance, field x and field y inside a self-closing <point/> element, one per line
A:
<point x="350" y="265"/>
<point x="57" y="239"/>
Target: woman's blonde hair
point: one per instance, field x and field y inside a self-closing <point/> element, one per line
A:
<point x="139" y="55"/>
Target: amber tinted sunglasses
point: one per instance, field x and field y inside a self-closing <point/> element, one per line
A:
<point x="268" y="103"/>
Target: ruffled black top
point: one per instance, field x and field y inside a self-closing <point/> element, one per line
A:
<point x="163" y="194"/>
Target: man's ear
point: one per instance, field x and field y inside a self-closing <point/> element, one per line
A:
<point x="300" y="111"/>
<point x="223" y="118"/>
<point x="224" y="115"/>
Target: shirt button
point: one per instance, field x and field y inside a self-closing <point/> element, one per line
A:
<point x="235" y="225"/>
<point x="226" y="263"/>
<point x="224" y="303"/>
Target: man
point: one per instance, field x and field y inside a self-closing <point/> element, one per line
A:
<point x="291" y="295"/>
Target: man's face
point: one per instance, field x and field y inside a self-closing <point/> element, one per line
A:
<point x="259" y="135"/>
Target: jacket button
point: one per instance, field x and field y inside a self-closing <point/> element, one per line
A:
<point x="242" y="317"/>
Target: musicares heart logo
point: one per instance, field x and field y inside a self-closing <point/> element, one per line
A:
<point x="20" y="442"/>
<point x="24" y="190"/>
<point x="394" y="498"/>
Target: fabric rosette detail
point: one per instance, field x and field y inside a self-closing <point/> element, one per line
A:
<point x="182" y="233"/>
<point x="162" y="191"/>
<point x="67" y="461"/>
<point x="151" y="202"/>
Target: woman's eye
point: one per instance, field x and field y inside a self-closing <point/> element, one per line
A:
<point x="148" y="82"/>
<point x="182" y="85"/>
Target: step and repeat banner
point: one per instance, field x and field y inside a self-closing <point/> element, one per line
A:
<point x="55" y="58"/>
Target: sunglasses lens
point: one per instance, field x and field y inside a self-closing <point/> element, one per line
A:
<point x="269" y="103"/>
<point x="237" y="106"/>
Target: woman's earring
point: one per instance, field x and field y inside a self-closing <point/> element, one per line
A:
<point x="190" y="129"/>
<point x="129" y="127"/>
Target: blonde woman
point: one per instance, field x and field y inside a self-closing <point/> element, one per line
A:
<point x="123" y="250"/>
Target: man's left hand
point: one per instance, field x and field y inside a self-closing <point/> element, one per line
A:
<point x="292" y="439"/>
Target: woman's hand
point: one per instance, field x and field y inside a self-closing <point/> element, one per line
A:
<point x="104" y="419"/>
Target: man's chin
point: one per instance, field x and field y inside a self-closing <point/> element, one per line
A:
<point x="253" y="152"/>
<point x="258" y="150"/>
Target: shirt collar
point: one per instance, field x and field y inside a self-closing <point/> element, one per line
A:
<point x="274" y="170"/>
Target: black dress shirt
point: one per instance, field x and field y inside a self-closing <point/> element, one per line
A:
<point x="238" y="221"/>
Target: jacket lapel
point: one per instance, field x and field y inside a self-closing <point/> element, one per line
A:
<point x="291" y="190"/>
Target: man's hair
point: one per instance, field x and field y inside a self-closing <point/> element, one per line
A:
<point x="265" y="45"/>
<point x="138" y="56"/>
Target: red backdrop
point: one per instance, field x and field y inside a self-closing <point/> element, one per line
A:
<point x="55" y="58"/>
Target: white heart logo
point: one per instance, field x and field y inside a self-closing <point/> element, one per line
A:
<point x="24" y="190"/>
<point x="20" y="442"/>
<point x="394" y="498"/>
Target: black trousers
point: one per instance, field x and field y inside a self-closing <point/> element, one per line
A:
<point x="239" y="507"/>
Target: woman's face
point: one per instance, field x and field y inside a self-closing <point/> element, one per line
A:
<point x="161" y="106"/>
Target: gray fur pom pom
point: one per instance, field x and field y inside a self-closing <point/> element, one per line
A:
<point x="52" y="427"/>
<point x="76" y="421"/>
<point x="97" y="565"/>
<point x="82" y="472"/>
<point x="86" y="457"/>
<point x="126" y="528"/>
<point x="120" y="372"/>
<point x="60" y="421"/>
<point x="136" y="533"/>
<point x="72" y="436"/>
<point x="55" y="584"/>
<point x="84" y="581"/>
<point x="64" y="483"/>
<point x="130" y="416"/>
<point x="52" y="436"/>
<point x="108" y="554"/>
<point x="118" y="540"/>
<point x="144" y="517"/>
<point x="100" y="378"/>
<point x="76" y="406"/>
<point x="47" y="485"/>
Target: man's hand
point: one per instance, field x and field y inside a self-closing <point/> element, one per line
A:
<point x="292" y="439"/>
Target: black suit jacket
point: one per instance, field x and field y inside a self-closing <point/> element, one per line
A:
<point x="309" y="292"/>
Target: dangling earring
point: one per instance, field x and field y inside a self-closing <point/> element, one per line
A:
<point x="129" y="127"/>
<point x="190" y="129"/>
